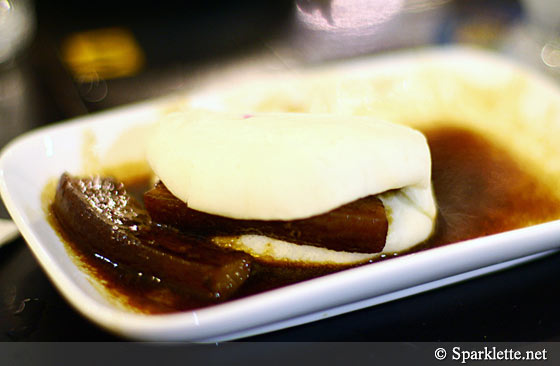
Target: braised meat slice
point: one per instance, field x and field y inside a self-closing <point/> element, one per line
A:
<point x="101" y="218"/>
<point x="360" y="226"/>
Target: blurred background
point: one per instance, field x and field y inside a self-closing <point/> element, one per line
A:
<point x="64" y="59"/>
<point x="59" y="60"/>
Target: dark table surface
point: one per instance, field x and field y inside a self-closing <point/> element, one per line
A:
<point x="517" y="304"/>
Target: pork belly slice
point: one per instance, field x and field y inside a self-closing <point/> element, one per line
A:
<point x="100" y="217"/>
<point x="360" y="226"/>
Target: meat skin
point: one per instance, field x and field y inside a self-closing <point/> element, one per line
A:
<point x="360" y="226"/>
<point x="100" y="217"/>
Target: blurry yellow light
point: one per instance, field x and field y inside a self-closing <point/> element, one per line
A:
<point x="106" y="53"/>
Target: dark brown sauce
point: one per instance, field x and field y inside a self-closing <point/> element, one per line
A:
<point x="479" y="188"/>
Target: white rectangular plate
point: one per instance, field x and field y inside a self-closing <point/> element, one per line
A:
<point x="34" y="159"/>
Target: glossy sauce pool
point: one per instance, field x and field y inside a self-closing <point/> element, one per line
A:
<point x="479" y="189"/>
